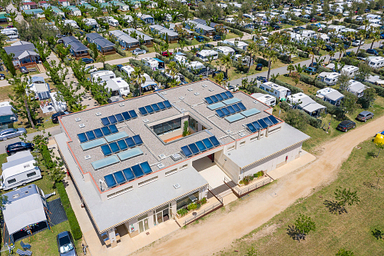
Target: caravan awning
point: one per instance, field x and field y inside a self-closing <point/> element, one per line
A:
<point x="158" y="60"/>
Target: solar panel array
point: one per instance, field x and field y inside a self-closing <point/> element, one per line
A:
<point x="118" y="118"/>
<point x="97" y="133"/>
<point x="156" y="107"/>
<point x="127" y="174"/>
<point x="262" y="123"/>
<point x="218" y="97"/>
<point x="230" y="110"/>
<point x="200" y="146"/>
<point x="121" y="145"/>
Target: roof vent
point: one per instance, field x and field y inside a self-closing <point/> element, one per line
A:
<point x="190" y="89"/>
<point x="182" y="109"/>
<point x="87" y="157"/>
<point x="98" y="114"/>
<point x="176" y="186"/>
<point x="77" y="119"/>
<point x="122" y="104"/>
<point x="204" y="85"/>
<point x="228" y="131"/>
<point x="160" y="165"/>
<point x="162" y="156"/>
<point x="18" y="195"/>
<point x="197" y="93"/>
<point x="145" y="120"/>
<point x="176" y="157"/>
<point x="241" y="134"/>
<point x="81" y="125"/>
<point x="181" y="98"/>
<point x="210" y="89"/>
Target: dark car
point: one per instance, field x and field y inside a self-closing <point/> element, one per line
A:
<point x="261" y="78"/>
<point x="216" y="38"/>
<point x="346" y="125"/>
<point x="11" y="133"/>
<point x="348" y="53"/>
<point x="367" y="10"/>
<point x="55" y="117"/>
<point x="310" y="70"/>
<point x="119" y="67"/>
<point x="276" y="27"/>
<point x="259" y="66"/>
<point x="18" y="146"/>
<point x="372" y="51"/>
<point x="10" y="26"/>
<point x="24" y="70"/>
<point x="329" y="48"/>
<point x="200" y="39"/>
<point x="2" y="76"/>
<point x="65" y="244"/>
<point x="364" y="116"/>
<point x="87" y="60"/>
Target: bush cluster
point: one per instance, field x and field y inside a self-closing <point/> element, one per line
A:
<point x="293" y="89"/>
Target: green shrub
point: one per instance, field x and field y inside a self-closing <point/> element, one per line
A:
<point x="203" y="200"/>
<point x="258" y="174"/>
<point x="73" y="223"/>
<point x="303" y="54"/>
<point x="379" y="89"/>
<point x="285" y="106"/>
<point x="108" y="66"/>
<point x="145" y="48"/>
<point x="120" y="51"/>
<point x="182" y="212"/>
<point x="262" y="61"/>
<point x="192" y="207"/>
<point x="293" y="89"/>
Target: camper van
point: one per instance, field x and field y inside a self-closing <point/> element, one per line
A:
<point x="19" y="172"/>
<point x="102" y="76"/>
<point x="264" y="98"/>
<point x="349" y="70"/>
<point x="376" y="62"/>
<point x="330" y="78"/>
<point x="113" y="22"/>
<point x="11" y="33"/>
<point x="206" y="54"/>
<point x="276" y="90"/>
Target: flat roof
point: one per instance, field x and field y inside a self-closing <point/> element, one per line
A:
<point x="259" y="149"/>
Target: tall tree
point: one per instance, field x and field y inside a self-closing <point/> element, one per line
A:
<point x="138" y="78"/>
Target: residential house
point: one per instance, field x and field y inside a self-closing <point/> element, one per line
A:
<point x="74" y="11"/>
<point x="144" y="38"/>
<point x="7" y="115"/>
<point x="28" y="6"/>
<point x="78" y="49"/>
<point x="199" y="28"/>
<point x="148" y="19"/>
<point x="25" y="54"/>
<point x="57" y="11"/>
<point x="165" y="33"/>
<point x="330" y="95"/>
<point x="126" y="42"/>
<point x="122" y="6"/>
<point x="91" y="23"/>
<point x="36" y="13"/>
<point x="306" y="103"/>
<point x="103" y="45"/>
<point x="71" y="23"/>
<point x="190" y="34"/>
<point x="64" y="3"/>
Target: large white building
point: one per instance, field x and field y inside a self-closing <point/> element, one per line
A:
<point x="134" y="169"/>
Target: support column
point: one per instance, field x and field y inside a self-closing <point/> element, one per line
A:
<point x="112" y="237"/>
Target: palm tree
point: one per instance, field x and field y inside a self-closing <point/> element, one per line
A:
<point x="362" y="33"/>
<point x="172" y="70"/>
<point x="340" y="48"/>
<point x="138" y="78"/>
<point x="252" y="50"/>
<point x="226" y="62"/>
<point x="375" y="37"/>
<point x="271" y="55"/>
<point x="299" y="68"/>
<point x="290" y="68"/>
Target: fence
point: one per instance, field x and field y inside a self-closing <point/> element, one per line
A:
<point x="242" y="192"/>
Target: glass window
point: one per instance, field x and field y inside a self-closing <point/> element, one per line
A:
<point x="167" y="126"/>
<point x="31" y="174"/>
<point x="183" y="202"/>
<point x="11" y="181"/>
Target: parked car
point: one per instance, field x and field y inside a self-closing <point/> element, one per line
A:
<point x="232" y="88"/>
<point x="65" y="244"/>
<point x="364" y="116"/>
<point x="357" y="42"/>
<point x="310" y="70"/>
<point x="216" y="38"/>
<point x="119" y="67"/>
<point x="259" y="66"/>
<point x="18" y="146"/>
<point x="276" y="27"/>
<point x="87" y="60"/>
<point x="90" y="69"/>
<point x="346" y="125"/>
<point x="24" y="70"/>
<point x="138" y="52"/>
<point x="313" y="20"/>
<point x="10" y="26"/>
<point x="329" y="48"/>
<point x="218" y="72"/>
<point x="261" y="78"/>
<point x="55" y="117"/>
<point x="200" y="39"/>
<point x="348" y="53"/>
<point x="12" y="133"/>
<point x="372" y="51"/>
<point x="2" y="76"/>
<point x="166" y="54"/>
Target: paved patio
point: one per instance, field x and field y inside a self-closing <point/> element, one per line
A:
<point x="210" y="172"/>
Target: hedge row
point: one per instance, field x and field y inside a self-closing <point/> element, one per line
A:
<point x="293" y="89"/>
<point x="234" y="28"/>
<point x="309" y="80"/>
<point x="308" y="119"/>
<point x="379" y="90"/>
<point x="73" y="223"/>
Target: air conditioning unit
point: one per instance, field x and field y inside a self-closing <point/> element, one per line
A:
<point x="176" y="186"/>
<point x="241" y="134"/>
<point x="176" y="157"/>
<point x="81" y="125"/>
<point x="77" y="119"/>
<point x="98" y="114"/>
<point x="181" y="98"/>
<point x="197" y="93"/>
<point x="190" y="89"/>
<point x="122" y="104"/>
<point x="160" y="165"/>
<point x="210" y="89"/>
<point x="87" y="157"/>
<point x="162" y="156"/>
<point x="145" y="120"/>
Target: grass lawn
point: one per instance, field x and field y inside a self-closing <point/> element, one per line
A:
<point x="351" y="230"/>
<point x="5" y="91"/>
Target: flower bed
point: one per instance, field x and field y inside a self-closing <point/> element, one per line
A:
<point x="191" y="207"/>
<point x="249" y="178"/>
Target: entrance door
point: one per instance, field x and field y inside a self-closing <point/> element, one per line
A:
<point x="143" y="225"/>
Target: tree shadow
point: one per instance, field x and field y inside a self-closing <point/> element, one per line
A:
<point x="295" y="234"/>
<point x="335" y="207"/>
<point x="378" y="234"/>
<point x="371" y="154"/>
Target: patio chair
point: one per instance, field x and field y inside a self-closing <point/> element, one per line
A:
<point x="24" y="253"/>
<point x="25" y="246"/>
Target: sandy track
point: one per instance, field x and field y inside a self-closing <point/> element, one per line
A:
<point x="219" y="232"/>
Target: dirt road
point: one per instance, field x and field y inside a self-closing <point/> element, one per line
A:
<point x="220" y="230"/>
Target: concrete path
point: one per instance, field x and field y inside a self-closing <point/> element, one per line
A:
<point x="222" y="228"/>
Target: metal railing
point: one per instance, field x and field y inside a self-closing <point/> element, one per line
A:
<point x="240" y="192"/>
<point x="202" y="213"/>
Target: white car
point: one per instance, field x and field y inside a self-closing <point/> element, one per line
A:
<point x="90" y="69"/>
<point x="357" y="42"/>
<point x="359" y="18"/>
<point x="346" y="14"/>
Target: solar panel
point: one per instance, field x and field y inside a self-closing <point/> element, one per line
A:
<point x="132" y="113"/>
<point x="137" y="171"/>
<point x="146" y="168"/>
<point x="236" y="108"/>
<point x="149" y="109"/>
<point x="250" y="112"/>
<point x="220" y="113"/>
<point x="214" y="141"/>
<point x="214" y="99"/>
<point x="112" y="119"/>
<point x="224" y="95"/>
<point x="106" y="150"/>
<point x="234" y="118"/>
<point x="167" y="104"/>
<point x="201" y="146"/>
<point x="219" y="97"/>
<point x="110" y="180"/>
<point x="122" y="145"/>
<point x="90" y="135"/>
<point x="105" y="162"/>
<point x="262" y="123"/>
<point x="257" y="125"/>
<point x="267" y="121"/>
<point x="274" y="119"/>
<point x="119" y="118"/>
<point x="251" y="128"/>
<point x="82" y="137"/>
<point x="186" y="151"/>
<point x="143" y="111"/>
<point x="116" y="136"/>
<point x="241" y="106"/>
<point x="216" y="106"/>
<point x="119" y="177"/>
<point x="113" y="128"/>
<point x="231" y="110"/>
<point x="126" y="116"/>
<point x="98" y="133"/>
<point x="225" y="111"/>
<point x="129" y="153"/>
<point x="93" y="143"/>
<point x="105" y="121"/>
<point x="161" y="105"/>
<point x="138" y="141"/>
<point x="194" y="148"/>
<point x="231" y="101"/>
<point x="130" y="142"/>
<point x="128" y="174"/>
<point x="155" y="107"/>
<point x="208" y="143"/>
<point x="105" y="130"/>
<point x="114" y="147"/>
<point x="229" y="94"/>
<point x="208" y="100"/>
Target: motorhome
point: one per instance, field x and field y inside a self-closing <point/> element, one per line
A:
<point x="375" y="21"/>
<point x="206" y="54"/>
<point x="128" y="70"/>
<point x="239" y="44"/>
<point x="264" y="98"/>
<point x="102" y="76"/>
<point x="349" y="70"/>
<point x="71" y="23"/>
<point x="153" y="63"/>
<point x="113" y="22"/>
<point x="226" y="50"/>
<point x="276" y="90"/>
<point x="375" y="62"/>
<point x="330" y="78"/>
<point x="330" y="95"/>
<point x="19" y="172"/>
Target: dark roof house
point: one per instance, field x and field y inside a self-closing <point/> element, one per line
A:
<point x="102" y="44"/>
<point x="77" y="48"/>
